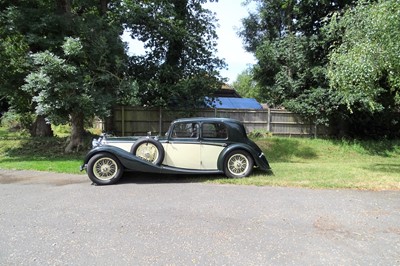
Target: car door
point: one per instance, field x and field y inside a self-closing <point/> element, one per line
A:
<point x="183" y="147"/>
<point x="214" y="140"/>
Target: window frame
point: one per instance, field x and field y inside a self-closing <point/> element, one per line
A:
<point x="216" y="125"/>
<point x="194" y="125"/>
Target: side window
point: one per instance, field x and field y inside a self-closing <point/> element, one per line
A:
<point x="215" y="131"/>
<point x="185" y="130"/>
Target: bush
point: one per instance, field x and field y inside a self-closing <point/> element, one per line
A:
<point x="260" y="134"/>
<point x="16" y="122"/>
<point x="61" y="130"/>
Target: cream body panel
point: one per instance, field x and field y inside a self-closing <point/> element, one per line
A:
<point x="185" y="155"/>
<point x="209" y="156"/>
<point x="123" y="145"/>
<point x="182" y="155"/>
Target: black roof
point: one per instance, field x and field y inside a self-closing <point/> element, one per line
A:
<point x="237" y="131"/>
<point x="208" y="119"/>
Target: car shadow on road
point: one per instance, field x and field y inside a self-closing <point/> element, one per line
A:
<point x="151" y="178"/>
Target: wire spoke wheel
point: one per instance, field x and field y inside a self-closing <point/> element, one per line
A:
<point x="238" y="164"/>
<point x="148" y="151"/>
<point x="104" y="169"/>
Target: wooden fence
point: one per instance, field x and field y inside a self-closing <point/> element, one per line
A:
<point x="130" y="121"/>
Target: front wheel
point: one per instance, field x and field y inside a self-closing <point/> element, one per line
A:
<point x="104" y="169"/>
<point x="238" y="164"/>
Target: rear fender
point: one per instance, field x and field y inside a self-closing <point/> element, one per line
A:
<point x="259" y="159"/>
<point x="233" y="147"/>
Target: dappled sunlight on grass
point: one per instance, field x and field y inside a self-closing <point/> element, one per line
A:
<point x="59" y="165"/>
<point x="384" y="167"/>
<point x="43" y="154"/>
<point x="285" y="150"/>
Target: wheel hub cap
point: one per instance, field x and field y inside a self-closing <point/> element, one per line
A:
<point x="238" y="165"/>
<point x="105" y="169"/>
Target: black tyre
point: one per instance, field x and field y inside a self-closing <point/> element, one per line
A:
<point x="104" y="169"/>
<point x="149" y="149"/>
<point x="238" y="164"/>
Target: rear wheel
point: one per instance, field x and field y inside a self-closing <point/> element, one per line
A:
<point x="238" y="164"/>
<point x="104" y="169"/>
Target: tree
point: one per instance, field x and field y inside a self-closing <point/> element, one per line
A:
<point x="67" y="60"/>
<point x="179" y="67"/>
<point x="291" y="51"/>
<point x="77" y="60"/>
<point x="83" y="82"/>
<point x="18" y="39"/>
<point x="365" y="65"/>
<point x="246" y="86"/>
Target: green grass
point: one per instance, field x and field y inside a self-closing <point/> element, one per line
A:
<point x="42" y="154"/>
<point x="312" y="163"/>
<point x="317" y="163"/>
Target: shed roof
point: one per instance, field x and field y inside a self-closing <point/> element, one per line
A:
<point x="226" y="91"/>
<point x="236" y="103"/>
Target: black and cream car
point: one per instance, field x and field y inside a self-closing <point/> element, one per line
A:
<point x="191" y="146"/>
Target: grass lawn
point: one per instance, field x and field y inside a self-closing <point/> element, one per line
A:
<point x="318" y="163"/>
<point x="312" y="163"/>
<point x="20" y="152"/>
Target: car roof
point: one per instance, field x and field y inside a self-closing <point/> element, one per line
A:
<point x="207" y="119"/>
<point x="237" y="131"/>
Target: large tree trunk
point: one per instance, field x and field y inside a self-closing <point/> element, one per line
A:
<point x="64" y="6"/>
<point x="77" y="132"/>
<point x="103" y="7"/>
<point x="41" y="128"/>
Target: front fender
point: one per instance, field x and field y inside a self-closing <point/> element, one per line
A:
<point x="128" y="160"/>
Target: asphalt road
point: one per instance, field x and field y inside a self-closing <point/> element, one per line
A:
<point x="53" y="219"/>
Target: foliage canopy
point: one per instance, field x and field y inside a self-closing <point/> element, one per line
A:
<point x="179" y="66"/>
<point x="287" y="40"/>
<point x="365" y="65"/>
<point x="66" y="61"/>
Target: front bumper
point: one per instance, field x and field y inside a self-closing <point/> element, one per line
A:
<point x="83" y="167"/>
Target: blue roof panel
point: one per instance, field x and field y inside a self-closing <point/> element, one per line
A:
<point x="236" y="103"/>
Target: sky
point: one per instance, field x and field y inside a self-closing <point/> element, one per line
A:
<point x="230" y="47"/>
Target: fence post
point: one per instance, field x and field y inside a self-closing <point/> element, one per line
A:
<point x="315" y="130"/>
<point x="160" y="122"/>
<point x="123" y="120"/>
<point x="269" y="120"/>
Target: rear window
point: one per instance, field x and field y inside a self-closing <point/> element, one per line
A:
<point x="214" y="131"/>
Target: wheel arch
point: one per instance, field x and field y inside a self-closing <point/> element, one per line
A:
<point x="102" y="149"/>
<point x="234" y="147"/>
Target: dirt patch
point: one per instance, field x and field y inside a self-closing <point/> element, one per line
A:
<point x="36" y="177"/>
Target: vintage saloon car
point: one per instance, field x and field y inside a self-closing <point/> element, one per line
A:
<point x="191" y="146"/>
